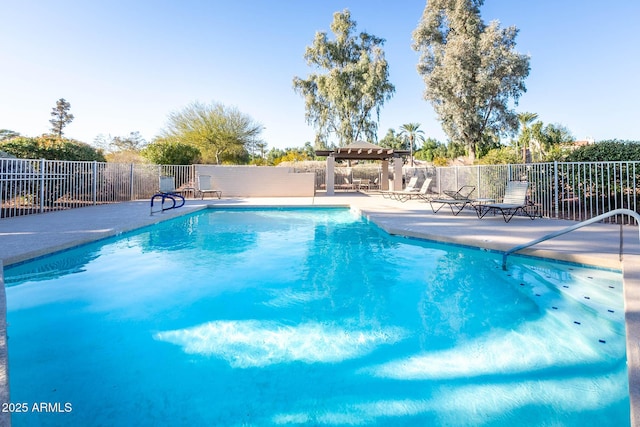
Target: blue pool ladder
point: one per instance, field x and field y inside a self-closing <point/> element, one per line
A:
<point x="167" y="193"/>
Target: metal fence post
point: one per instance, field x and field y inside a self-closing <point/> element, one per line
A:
<point x="42" y="185"/>
<point x="94" y="186"/>
<point x="556" y="185"/>
<point x="635" y="193"/>
<point x="131" y="186"/>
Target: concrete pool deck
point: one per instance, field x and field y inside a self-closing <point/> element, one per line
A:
<point x="26" y="237"/>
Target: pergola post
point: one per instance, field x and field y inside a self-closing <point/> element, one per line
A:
<point x="397" y="173"/>
<point x="330" y="176"/>
<point x="384" y="179"/>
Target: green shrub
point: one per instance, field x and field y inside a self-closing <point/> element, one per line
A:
<point x="51" y="148"/>
<point x="171" y="153"/>
<point x="607" y="151"/>
<point x="496" y="156"/>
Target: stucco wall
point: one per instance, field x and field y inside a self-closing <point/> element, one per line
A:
<point x="254" y="181"/>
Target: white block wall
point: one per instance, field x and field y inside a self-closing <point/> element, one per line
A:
<point x="258" y="181"/>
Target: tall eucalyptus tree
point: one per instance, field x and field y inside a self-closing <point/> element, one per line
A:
<point x="351" y="85"/>
<point x="471" y="70"/>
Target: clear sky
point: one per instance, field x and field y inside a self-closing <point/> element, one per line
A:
<point x="124" y="65"/>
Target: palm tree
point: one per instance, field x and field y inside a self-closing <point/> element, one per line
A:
<point x="526" y="119"/>
<point x="411" y="132"/>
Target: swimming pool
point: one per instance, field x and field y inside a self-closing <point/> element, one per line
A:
<point x="310" y="317"/>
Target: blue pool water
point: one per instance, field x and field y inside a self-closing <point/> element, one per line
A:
<point x="310" y="317"/>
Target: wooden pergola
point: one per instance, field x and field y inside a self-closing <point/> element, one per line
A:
<point x="361" y="150"/>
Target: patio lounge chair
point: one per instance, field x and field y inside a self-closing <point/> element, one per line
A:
<point x="168" y="192"/>
<point x="168" y="189"/>
<point x="375" y="185"/>
<point x="204" y="187"/>
<point x="514" y="200"/>
<point x="421" y="193"/>
<point x="457" y="199"/>
<point x="411" y="186"/>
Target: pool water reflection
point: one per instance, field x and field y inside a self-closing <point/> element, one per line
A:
<point x="311" y="317"/>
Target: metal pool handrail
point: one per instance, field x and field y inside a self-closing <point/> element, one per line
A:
<point x="574" y="227"/>
<point x="170" y="196"/>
